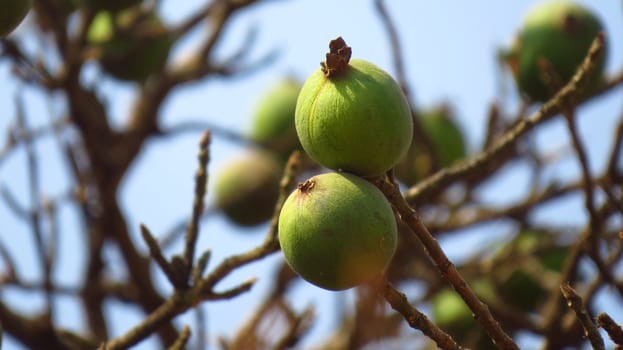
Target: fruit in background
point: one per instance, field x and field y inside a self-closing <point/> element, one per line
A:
<point x="451" y="314"/>
<point x="337" y="231"/>
<point x="247" y="188"/>
<point x="352" y="116"/>
<point x="273" y="120"/>
<point x="12" y="14"/>
<point x="133" y="44"/>
<point x="110" y="5"/>
<point x="534" y="258"/>
<point x="559" y="32"/>
<point x="446" y="138"/>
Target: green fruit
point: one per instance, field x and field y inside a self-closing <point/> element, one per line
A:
<point x="273" y="121"/>
<point x="522" y="284"/>
<point x="559" y="32"/>
<point x="352" y="116"/>
<point x="247" y="189"/>
<point x="337" y="231"/>
<point x="446" y="138"/>
<point x="134" y="44"/>
<point x="451" y="314"/>
<point x="110" y="5"/>
<point x="12" y="14"/>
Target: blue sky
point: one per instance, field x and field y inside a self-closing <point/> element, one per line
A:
<point x="449" y="51"/>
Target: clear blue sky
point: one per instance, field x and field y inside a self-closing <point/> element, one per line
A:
<point x="449" y="52"/>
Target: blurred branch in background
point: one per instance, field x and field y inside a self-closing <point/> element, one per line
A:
<point x="541" y="278"/>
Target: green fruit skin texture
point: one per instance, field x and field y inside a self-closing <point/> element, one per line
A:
<point x="12" y="14"/>
<point x="273" y="120"/>
<point x="338" y="233"/>
<point x="447" y="139"/>
<point x="247" y="188"/>
<point x="560" y="32"/>
<point x="130" y="55"/>
<point x="359" y="121"/>
<point x="110" y="5"/>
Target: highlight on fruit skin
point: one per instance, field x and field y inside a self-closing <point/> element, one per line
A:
<point x="337" y="231"/>
<point x="247" y="188"/>
<point x="12" y="14"/>
<point x="273" y="120"/>
<point x="351" y="115"/>
<point x="447" y="139"/>
<point x="133" y="44"/>
<point x="554" y="38"/>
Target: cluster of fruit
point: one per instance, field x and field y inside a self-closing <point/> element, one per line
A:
<point x="546" y="52"/>
<point x="247" y="188"/>
<point x="337" y="230"/>
<point x="519" y="279"/>
<point x="130" y="41"/>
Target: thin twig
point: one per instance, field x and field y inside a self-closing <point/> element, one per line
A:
<point x="577" y="305"/>
<point x="445" y="266"/>
<point x="612" y="328"/>
<point x="416" y="319"/>
<point x="155" y="252"/>
<point x="180" y="343"/>
<point x="201" y="179"/>
<point x="436" y="183"/>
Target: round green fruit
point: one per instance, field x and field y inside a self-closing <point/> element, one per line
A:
<point x="247" y="188"/>
<point x="352" y="116"/>
<point x="559" y="34"/>
<point x="12" y="14"/>
<point x="446" y="138"/>
<point x="451" y="314"/>
<point x="273" y="121"/>
<point x="110" y="5"/>
<point x="534" y="258"/>
<point x="133" y="44"/>
<point x="337" y="231"/>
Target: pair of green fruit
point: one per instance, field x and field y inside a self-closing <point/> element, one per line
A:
<point x="247" y="188"/>
<point x="337" y="230"/>
<point x="554" y="39"/>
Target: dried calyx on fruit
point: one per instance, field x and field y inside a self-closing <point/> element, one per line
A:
<point x="351" y="115"/>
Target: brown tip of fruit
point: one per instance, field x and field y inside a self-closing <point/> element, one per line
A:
<point x="336" y="61"/>
<point x="572" y="25"/>
<point x="306" y="186"/>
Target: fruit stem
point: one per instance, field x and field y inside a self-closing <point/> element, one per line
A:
<point x="336" y="61"/>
